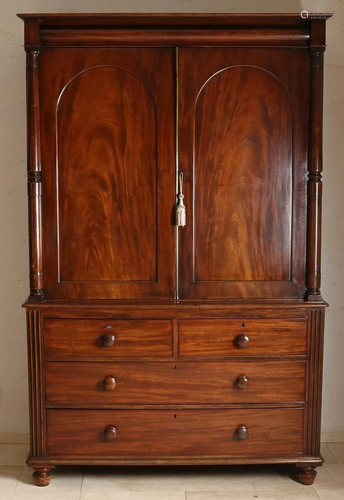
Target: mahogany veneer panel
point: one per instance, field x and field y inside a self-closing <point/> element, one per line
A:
<point x="95" y="208"/>
<point x="172" y="433"/>
<point x="83" y="338"/>
<point x="254" y="111"/>
<point x="82" y="383"/>
<point x="243" y="146"/>
<point x="107" y="140"/>
<point x="219" y="338"/>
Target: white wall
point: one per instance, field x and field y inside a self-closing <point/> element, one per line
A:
<point x="13" y="204"/>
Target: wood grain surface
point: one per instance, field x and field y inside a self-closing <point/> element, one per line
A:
<point x="242" y="200"/>
<point x="187" y="433"/>
<point x="70" y="384"/>
<point x="243" y="150"/>
<point x="107" y="172"/>
<point x="107" y="193"/>
<point x="219" y="338"/>
<point x="134" y="338"/>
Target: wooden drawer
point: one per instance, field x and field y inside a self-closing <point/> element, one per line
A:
<point x="177" y="433"/>
<point x="219" y="338"/>
<point x="184" y="383"/>
<point x="83" y="338"/>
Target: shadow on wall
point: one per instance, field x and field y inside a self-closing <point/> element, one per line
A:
<point x="240" y="6"/>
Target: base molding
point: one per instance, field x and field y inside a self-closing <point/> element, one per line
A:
<point x="45" y="462"/>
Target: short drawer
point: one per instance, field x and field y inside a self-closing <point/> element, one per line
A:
<point x="174" y="433"/>
<point x="70" y="384"/>
<point x="107" y="339"/>
<point x="219" y="338"/>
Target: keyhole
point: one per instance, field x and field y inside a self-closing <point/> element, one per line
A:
<point x="175" y="416"/>
<point x="175" y="367"/>
<point x="242" y="325"/>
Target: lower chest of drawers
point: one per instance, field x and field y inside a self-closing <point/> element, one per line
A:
<point x="129" y="388"/>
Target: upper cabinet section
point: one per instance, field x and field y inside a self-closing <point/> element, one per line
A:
<point x="119" y="104"/>
<point x="108" y="156"/>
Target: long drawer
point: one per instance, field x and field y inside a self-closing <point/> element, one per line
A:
<point x="167" y="433"/>
<point x="94" y="383"/>
<point x="218" y="338"/>
<point x="107" y="339"/>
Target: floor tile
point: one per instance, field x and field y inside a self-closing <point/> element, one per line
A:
<point x="337" y="450"/>
<point x="9" y="475"/>
<point x="171" y="483"/>
<point x="330" y="477"/>
<point x="64" y="479"/>
<point x="331" y="495"/>
<point x="40" y="494"/>
<point x="158" y="479"/>
<point x="13" y="454"/>
<point x="280" y="478"/>
<point x="261" y="495"/>
<point x="134" y="495"/>
<point x="327" y="454"/>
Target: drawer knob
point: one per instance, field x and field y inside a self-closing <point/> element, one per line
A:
<point x="110" y="433"/>
<point x="241" y="432"/>
<point x="109" y="383"/>
<point x="243" y="341"/>
<point x="242" y="382"/>
<point x="108" y="340"/>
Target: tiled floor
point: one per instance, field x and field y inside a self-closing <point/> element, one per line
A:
<point x="173" y="483"/>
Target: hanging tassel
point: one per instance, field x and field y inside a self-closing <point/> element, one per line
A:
<point x="180" y="207"/>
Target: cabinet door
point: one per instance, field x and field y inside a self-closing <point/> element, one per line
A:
<point x="243" y="150"/>
<point x="108" y="160"/>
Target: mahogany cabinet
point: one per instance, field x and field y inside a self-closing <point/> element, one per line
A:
<point x="174" y="180"/>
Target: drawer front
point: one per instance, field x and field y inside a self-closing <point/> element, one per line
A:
<point x="184" y="383"/>
<point x="219" y="338"/>
<point x="107" y="339"/>
<point x="167" y="433"/>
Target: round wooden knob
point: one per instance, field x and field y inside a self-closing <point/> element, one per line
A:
<point x="110" y="433"/>
<point x="108" y="340"/>
<point x="109" y="383"/>
<point x="241" y="432"/>
<point x="243" y="341"/>
<point x="242" y="382"/>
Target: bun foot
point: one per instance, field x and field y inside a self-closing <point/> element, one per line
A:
<point x="42" y="477"/>
<point x="306" y="475"/>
